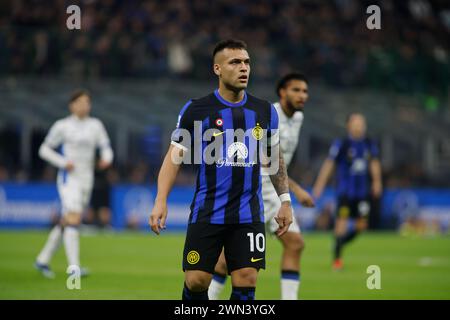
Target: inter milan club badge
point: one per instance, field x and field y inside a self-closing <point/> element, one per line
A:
<point x="219" y="122"/>
<point x="257" y="132"/>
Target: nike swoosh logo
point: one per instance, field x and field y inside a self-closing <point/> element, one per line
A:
<point x="255" y="260"/>
<point x="215" y="134"/>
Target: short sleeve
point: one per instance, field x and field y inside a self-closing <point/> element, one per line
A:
<point x="335" y="150"/>
<point x="55" y="136"/>
<point x="104" y="144"/>
<point x="183" y="128"/>
<point x="103" y="139"/>
<point x="374" y="150"/>
<point x="274" y="127"/>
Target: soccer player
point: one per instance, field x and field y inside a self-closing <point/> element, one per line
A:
<point x="292" y="89"/>
<point x="356" y="158"/>
<point x="78" y="135"/>
<point x="227" y="209"/>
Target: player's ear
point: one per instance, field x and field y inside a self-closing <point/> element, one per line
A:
<point x="216" y="69"/>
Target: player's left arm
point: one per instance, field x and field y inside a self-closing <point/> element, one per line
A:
<point x="280" y="178"/>
<point x="280" y="182"/>
<point x="375" y="171"/>
<point x="106" y="152"/>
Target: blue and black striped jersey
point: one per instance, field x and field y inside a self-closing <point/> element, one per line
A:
<point x="352" y="158"/>
<point x="228" y="190"/>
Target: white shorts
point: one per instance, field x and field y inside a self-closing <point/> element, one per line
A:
<point x="74" y="194"/>
<point x="272" y="204"/>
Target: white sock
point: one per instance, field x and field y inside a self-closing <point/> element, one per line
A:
<point x="50" y="247"/>
<point x="216" y="286"/>
<point x="72" y="246"/>
<point x="290" y="282"/>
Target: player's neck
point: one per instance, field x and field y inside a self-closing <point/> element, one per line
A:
<point x="356" y="138"/>
<point x="289" y="112"/>
<point x="79" y="118"/>
<point x="230" y="95"/>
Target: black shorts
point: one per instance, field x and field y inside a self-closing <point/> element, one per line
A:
<point x="353" y="208"/>
<point x="244" y="244"/>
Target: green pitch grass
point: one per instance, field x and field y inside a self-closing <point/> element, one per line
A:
<point x="144" y="266"/>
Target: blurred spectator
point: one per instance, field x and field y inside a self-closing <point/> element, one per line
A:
<point x="326" y="39"/>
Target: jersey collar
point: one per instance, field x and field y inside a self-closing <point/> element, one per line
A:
<point x="75" y="118"/>
<point x="349" y="137"/>
<point x="230" y="104"/>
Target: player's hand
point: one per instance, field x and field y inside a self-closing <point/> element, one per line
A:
<point x="304" y="198"/>
<point x="157" y="220"/>
<point x="377" y="190"/>
<point x="317" y="192"/>
<point x="102" y="165"/>
<point x="284" y="218"/>
<point x="69" y="166"/>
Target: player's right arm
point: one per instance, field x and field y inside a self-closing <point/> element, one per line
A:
<point x="170" y="167"/>
<point x="47" y="151"/>
<point x="324" y="175"/>
<point x="327" y="169"/>
<point x="166" y="180"/>
<point x="301" y="194"/>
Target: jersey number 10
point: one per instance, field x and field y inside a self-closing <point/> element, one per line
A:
<point x="258" y="240"/>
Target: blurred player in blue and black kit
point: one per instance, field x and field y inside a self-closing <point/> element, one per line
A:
<point x="227" y="210"/>
<point x="358" y="182"/>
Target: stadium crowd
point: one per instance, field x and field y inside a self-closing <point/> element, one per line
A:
<point x="328" y="40"/>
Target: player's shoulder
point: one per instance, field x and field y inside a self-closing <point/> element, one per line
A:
<point x="95" y="122"/>
<point x="336" y="148"/>
<point x="262" y="107"/>
<point x="369" y="140"/>
<point x="371" y="143"/>
<point x="343" y="143"/>
<point x="338" y="142"/>
<point x="196" y="103"/>
<point x="63" y="122"/>
<point x="298" y="116"/>
<point x="208" y="99"/>
<point x="277" y="107"/>
<point x="251" y="99"/>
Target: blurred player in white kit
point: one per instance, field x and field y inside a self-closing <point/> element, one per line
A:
<point x="78" y="135"/>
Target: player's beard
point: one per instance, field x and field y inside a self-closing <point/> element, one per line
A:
<point x="294" y="109"/>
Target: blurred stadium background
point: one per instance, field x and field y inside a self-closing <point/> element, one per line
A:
<point x="142" y="60"/>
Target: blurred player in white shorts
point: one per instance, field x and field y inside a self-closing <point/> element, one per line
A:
<point x="293" y="92"/>
<point x="78" y="135"/>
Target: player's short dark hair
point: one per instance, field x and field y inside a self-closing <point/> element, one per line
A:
<point x="77" y="94"/>
<point x="229" y="44"/>
<point x="282" y="83"/>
